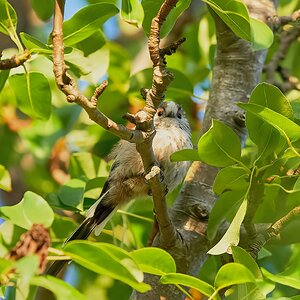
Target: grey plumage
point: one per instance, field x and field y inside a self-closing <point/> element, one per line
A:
<point x="126" y="180"/>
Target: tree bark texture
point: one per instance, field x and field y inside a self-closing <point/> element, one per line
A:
<point x="237" y="70"/>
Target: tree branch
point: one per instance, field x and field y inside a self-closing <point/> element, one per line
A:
<point x="286" y="39"/>
<point x="273" y="231"/>
<point x="14" y="61"/>
<point x="236" y="72"/>
<point x="67" y="85"/>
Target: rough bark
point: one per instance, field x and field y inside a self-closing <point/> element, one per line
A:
<point x="236" y="72"/>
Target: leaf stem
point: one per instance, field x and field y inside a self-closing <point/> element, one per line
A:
<point x="184" y="292"/>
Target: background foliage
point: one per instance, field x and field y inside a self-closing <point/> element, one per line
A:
<point x="53" y="159"/>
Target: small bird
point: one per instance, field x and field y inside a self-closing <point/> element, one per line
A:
<point x="126" y="180"/>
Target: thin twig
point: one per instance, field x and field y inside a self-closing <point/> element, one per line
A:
<point x="14" y="61"/>
<point x="286" y="38"/>
<point x="273" y="231"/>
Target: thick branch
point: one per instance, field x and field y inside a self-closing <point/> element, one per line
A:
<point x="237" y="70"/>
<point x="15" y="61"/>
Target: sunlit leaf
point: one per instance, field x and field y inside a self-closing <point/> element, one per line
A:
<point x="32" y="43"/>
<point x="232" y="235"/>
<point x="116" y="264"/>
<point x="154" y="261"/>
<point x="5" y="180"/>
<point x="284" y="279"/>
<point x="86" y="21"/>
<point x="190" y="281"/>
<point x="33" y="209"/>
<point x="59" y="288"/>
<point x="262" y="36"/>
<point x="33" y="94"/>
<point x="232" y="273"/>
<point x="132" y="12"/>
<point x="285" y="126"/>
<point x="8" y="22"/>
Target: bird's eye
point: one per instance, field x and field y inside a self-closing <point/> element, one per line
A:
<point x="160" y="111"/>
<point x="179" y="115"/>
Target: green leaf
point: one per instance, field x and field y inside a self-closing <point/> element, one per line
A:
<point x="5" y="265"/>
<point x="232" y="273"/>
<point x="225" y="205"/>
<point x="32" y="43"/>
<point x="8" y="22"/>
<point x="5" y="180"/>
<point x="285" y="126"/>
<point x="3" y="77"/>
<point x="43" y="8"/>
<point x="87" y="166"/>
<point x="282" y="279"/>
<point x="33" y="94"/>
<point x="232" y="235"/>
<point x="230" y="178"/>
<point x="219" y="146"/>
<point x="261" y="35"/>
<point x="86" y="21"/>
<point x="243" y="257"/>
<point x="261" y="133"/>
<point x="185" y="155"/>
<point x="116" y="264"/>
<point x="59" y="288"/>
<point x="26" y="268"/>
<point x="32" y="209"/>
<point x="132" y="12"/>
<point x="151" y="8"/>
<point x="234" y="14"/>
<point x="154" y="261"/>
<point x="71" y="193"/>
<point x="190" y="281"/>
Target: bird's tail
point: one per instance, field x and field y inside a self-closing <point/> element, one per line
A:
<point x="98" y="215"/>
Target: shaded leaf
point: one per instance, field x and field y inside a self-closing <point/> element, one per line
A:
<point x="43" y="8"/>
<point x="185" y="155"/>
<point x="3" y="77"/>
<point x="243" y="257"/>
<point x="219" y="146"/>
<point x="230" y="178"/>
<point x="225" y="205"/>
<point x="151" y="8"/>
